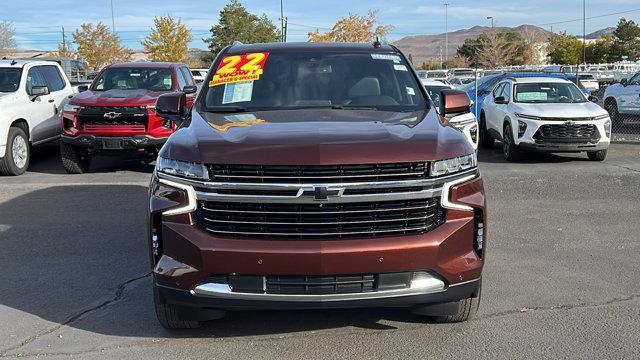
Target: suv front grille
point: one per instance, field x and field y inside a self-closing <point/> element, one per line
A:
<point x="309" y="174"/>
<point x="96" y="118"/>
<point x="318" y="220"/>
<point x="567" y="134"/>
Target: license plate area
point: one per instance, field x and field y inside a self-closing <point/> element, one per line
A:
<point x="112" y="144"/>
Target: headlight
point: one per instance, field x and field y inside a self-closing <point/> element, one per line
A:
<point x="450" y="166"/>
<point x="600" y="117"/>
<point x="607" y="127"/>
<point x="530" y="117"/>
<point x="70" y="108"/>
<point x="182" y="168"/>
<point x="522" y="127"/>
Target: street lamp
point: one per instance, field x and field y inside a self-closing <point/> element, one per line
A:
<point x="446" y="31"/>
<point x="490" y="17"/>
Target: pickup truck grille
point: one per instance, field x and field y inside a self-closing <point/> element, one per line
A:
<point x="567" y="134"/>
<point x="320" y="220"/>
<point x="98" y="118"/>
<point x="318" y="174"/>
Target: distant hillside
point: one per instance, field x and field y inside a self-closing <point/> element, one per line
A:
<point x="423" y="47"/>
<point x="600" y="33"/>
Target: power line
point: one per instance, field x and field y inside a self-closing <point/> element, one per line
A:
<point x="590" y="17"/>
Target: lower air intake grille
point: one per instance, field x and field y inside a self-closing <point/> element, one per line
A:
<point x="567" y="134"/>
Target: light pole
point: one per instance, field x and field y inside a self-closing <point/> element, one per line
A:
<point x="113" y="21"/>
<point x="281" y="21"/>
<point x="446" y="31"/>
<point x="490" y="17"/>
<point x="584" y="31"/>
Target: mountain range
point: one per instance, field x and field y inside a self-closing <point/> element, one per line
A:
<point x="423" y="47"/>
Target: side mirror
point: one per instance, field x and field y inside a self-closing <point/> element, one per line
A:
<point x="454" y="102"/>
<point x="38" y="91"/>
<point x="624" y="82"/>
<point x="500" y="100"/>
<point x="172" y="106"/>
<point x="593" y="98"/>
<point x="82" y="88"/>
<point x="190" y="89"/>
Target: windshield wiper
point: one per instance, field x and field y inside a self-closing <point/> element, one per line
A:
<point x="226" y="109"/>
<point x="347" y="107"/>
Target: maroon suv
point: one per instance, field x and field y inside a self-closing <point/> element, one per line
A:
<point x="117" y="112"/>
<point x="315" y="176"/>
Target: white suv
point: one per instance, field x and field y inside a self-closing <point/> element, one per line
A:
<point x="623" y="99"/>
<point x="32" y="97"/>
<point x="544" y="114"/>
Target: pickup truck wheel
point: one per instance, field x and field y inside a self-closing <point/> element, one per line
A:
<point x="75" y="160"/>
<point x="599" y="155"/>
<point x="509" y="148"/>
<point x="466" y="309"/>
<point x="486" y="140"/>
<point x="16" y="157"/>
<point x="612" y="108"/>
<point x="168" y="315"/>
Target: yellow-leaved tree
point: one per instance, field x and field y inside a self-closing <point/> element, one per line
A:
<point x="353" y="28"/>
<point x="98" y="46"/>
<point x="168" y="41"/>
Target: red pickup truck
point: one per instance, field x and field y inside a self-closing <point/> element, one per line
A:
<point x="117" y="112"/>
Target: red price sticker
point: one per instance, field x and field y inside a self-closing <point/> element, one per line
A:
<point x="237" y="68"/>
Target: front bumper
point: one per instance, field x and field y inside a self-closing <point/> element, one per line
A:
<point x="528" y="142"/>
<point x="114" y="142"/>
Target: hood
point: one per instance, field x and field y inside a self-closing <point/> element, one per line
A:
<point x="315" y="137"/>
<point x="139" y="97"/>
<point x="563" y="110"/>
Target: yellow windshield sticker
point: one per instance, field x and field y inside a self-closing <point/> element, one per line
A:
<point x="239" y="68"/>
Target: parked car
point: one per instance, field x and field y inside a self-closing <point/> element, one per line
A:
<point x="461" y="72"/>
<point x="116" y="113"/>
<point x="623" y="99"/>
<point x="32" y="94"/>
<point x="302" y="188"/>
<point x="544" y="114"/>
<point x="460" y="82"/>
<point x="438" y="75"/>
<point x="199" y="74"/>
<point x="589" y="81"/>
<point x="464" y="121"/>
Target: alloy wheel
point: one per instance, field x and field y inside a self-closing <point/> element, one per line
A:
<point x="19" y="151"/>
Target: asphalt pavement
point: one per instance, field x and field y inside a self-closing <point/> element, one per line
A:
<point x="561" y="278"/>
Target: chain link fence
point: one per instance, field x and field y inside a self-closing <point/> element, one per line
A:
<point x="625" y="121"/>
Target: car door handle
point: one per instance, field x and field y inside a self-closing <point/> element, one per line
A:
<point x="51" y="100"/>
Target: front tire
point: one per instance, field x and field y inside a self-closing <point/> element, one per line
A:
<point x="18" y="154"/>
<point x="599" y="155"/>
<point x="75" y="160"/>
<point x="612" y="108"/>
<point x="467" y="309"/>
<point x="486" y="140"/>
<point x="509" y="149"/>
<point x="168" y="315"/>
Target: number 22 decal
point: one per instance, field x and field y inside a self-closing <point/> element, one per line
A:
<point x="236" y="68"/>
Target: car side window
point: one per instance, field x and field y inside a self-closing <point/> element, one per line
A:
<point x="506" y="91"/>
<point x="187" y="76"/>
<point x="498" y="90"/>
<point x="635" y="80"/>
<point x="35" y="78"/>
<point x="53" y="77"/>
<point x="181" y="81"/>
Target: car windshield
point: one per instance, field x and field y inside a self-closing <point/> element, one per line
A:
<point x="282" y="80"/>
<point x="548" y="93"/>
<point x="432" y="75"/>
<point x="434" y="93"/>
<point x="10" y="79"/>
<point x="116" y="78"/>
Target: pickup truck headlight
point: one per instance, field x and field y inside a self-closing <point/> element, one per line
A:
<point x="70" y="108"/>
<point x="451" y="166"/>
<point x="182" y="168"/>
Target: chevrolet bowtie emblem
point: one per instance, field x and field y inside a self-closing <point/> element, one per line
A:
<point x="112" y="115"/>
<point x="321" y="193"/>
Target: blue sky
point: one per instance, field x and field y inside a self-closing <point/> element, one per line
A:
<point x="38" y="22"/>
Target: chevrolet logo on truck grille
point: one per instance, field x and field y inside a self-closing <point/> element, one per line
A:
<point x="320" y="193"/>
<point x="112" y="115"/>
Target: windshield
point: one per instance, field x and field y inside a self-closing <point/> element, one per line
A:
<point x="434" y="93"/>
<point x="152" y="79"/>
<point x="548" y="93"/>
<point x="10" y="79"/>
<point x="306" y="79"/>
<point x="432" y="75"/>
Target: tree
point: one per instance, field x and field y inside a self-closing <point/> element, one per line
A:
<point x="168" y="41"/>
<point x="497" y="49"/>
<point x="429" y="64"/>
<point x="98" y="46"/>
<point x="627" y="40"/>
<point x="600" y="51"/>
<point x="469" y="49"/>
<point x="455" y="62"/>
<point x="565" y="49"/>
<point x="65" y="51"/>
<point x="7" y="41"/>
<point x="237" y="24"/>
<point x="533" y="43"/>
<point x="353" y="28"/>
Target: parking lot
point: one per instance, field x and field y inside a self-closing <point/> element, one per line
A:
<point x="561" y="278"/>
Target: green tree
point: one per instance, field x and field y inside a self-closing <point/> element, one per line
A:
<point x="168" y="41"/>
<point x="600" y="51"/>
<point x="237" y="24"/>
<point x="429" y="64"/>
<point x="627" y="40"/>
<point x="565" y="49"/>
<point x="469" y="49"/>
<point x="98" y="46"/>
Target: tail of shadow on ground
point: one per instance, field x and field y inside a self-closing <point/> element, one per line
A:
<point x="77" y="255"/>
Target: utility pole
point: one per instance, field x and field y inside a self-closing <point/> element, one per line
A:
<point x="446" y="31"/>
<point x="64" y="40"/>
<point x="490" y="17"/>
<point x="584" y="31"/>
<point x="286" y="27"/>
<point x="282" y="29"/>
<point x="113" y="20"/>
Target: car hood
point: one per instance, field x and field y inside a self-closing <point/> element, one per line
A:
<point x="315" y="137"/>
<point x="117" y="98"/>
<point x="564" y="110"/>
